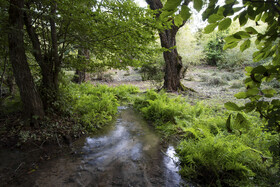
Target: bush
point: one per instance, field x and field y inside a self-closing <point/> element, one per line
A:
<point x="93" y="106"/>
<point x="214" y="51"/>
<point x="153" y="70"/>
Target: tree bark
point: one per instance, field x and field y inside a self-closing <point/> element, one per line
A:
<point x="32" y="103"/>
<point x="173" y="62"/>
<point x="48" y="62"/>
<point x="55" y="55"/>
<point x="2" y="75"/>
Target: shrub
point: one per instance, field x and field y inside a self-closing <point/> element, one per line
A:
<point x="93" y="106"/>
<point x="214" y="51"/>
<point x="216" y="81"/>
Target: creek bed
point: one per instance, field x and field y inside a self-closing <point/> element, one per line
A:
<point x="127" y="152"/>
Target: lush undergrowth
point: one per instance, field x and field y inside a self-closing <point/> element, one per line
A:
<point x="79" y="108"/>
<point x="214" y="150"/>
<point x="94" y="106"/>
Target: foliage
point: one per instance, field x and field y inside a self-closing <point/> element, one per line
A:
<point x="224" y="160"/>
<point x="93" y="106"/>
<point x="10" y="104"/>
<point x="214" y="51"/>
<point x="267" y="42"/>
<point x="153" y="70"/>
<point x="214" y="151"/>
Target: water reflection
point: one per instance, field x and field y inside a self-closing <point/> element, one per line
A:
<point x="128" y="154"/>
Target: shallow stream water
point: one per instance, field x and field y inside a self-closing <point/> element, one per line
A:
<point x="126" y="153"/>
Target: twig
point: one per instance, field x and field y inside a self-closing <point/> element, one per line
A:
<point x="19" y="166"/>
<point x="57" y="140"/>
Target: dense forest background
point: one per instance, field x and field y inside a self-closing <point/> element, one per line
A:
<point x="60" y="58"/>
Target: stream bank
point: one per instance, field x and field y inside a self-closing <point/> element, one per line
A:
<point x="127" y="152"/>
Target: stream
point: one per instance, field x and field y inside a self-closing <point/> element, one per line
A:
<point x="127" y="152"/>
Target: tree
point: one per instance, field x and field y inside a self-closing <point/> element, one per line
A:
<point x="173" y="62"/>
<point x="268" y="44"/>
<point x="116" y="32"/>
<point x="32" y="102"/>
<point x="170" y="22"/>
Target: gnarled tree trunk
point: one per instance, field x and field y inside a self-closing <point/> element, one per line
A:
<point x="32" y="102"/>
<point x="173" y="62"/>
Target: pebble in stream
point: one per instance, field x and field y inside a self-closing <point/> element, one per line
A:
<point x="126" y="154"/>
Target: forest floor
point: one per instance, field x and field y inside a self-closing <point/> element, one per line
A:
<point x="210" y="83"/>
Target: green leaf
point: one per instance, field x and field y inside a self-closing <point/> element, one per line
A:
<point x="228" y="123"/>
<point x="249" y="107"/>
<point x="251" y="13"/>
<point x="214" y="18"/>
<point x="241" y="122"/>
<point x="269" y="92"/>
<point x="166" y="13"/>
<point x="224" y="24"/>
<point x="245" y="45"/>
<point x="232" y="106"/>
<point x="185" y="12"/>
<point x="252" y="92"/>
<point x="259" y="69"/>
<point x="257" y="56"/>
<point x="230" y="45"/>
<point x="231" y="38"/>
<point x="243" y="18"/>
<point x="210" y="28"/>
<point x="264" y="16"/>
<point x="221" y="11"/>
<point x="197" y="4"/>
<point x="249" y="69"/>
<point x="241" y="95"/>
<point x="241" y="34"/>
<point x="251" y="30"/>
<point x="229" y="1"/>
<point x="178" y="20"/>
<point x="171" y="5"/>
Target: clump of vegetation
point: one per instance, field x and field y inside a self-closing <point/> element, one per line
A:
<point x="216" y="81"/>
<point x="153" y="70"/>
<point x="214" y="50"/>
<point x="213" y="150"/>
<point x="95" y="106"/>
<point x="236" y="84"/>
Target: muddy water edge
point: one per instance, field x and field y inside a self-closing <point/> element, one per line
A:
<point x="127" y="152"/>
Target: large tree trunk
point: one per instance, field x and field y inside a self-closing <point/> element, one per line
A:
<point x="32" y="102"/>
<point x="55" y="56"/>
<point x="48" y="62"/>
<point x="173" y="62"/>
